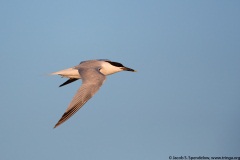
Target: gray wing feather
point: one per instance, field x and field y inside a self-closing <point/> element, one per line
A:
<point x="92" y="80"/>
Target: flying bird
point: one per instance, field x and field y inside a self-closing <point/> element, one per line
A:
<point x="93" y="73"/>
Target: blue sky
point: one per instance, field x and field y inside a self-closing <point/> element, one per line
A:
<point x="183" y="101"/>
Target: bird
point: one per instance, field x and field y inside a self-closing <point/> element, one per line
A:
<point x="93" y="74"/>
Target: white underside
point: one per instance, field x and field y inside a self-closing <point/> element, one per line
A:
<point x="106" y="69"/>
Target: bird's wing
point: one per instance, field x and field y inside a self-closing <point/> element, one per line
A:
<point x="92" y="80"/>
<point x="70" y="80"/>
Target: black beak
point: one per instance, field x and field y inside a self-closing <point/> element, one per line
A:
<point x="128" y="69"/>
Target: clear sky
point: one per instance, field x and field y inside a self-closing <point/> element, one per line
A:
<point x="183" y="101"/>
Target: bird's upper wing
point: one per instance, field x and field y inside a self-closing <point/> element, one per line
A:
<point x="92" y="80"/>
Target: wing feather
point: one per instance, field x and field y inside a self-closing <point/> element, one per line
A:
<point x="92" y="80"/>
<point x="70" y="80"/>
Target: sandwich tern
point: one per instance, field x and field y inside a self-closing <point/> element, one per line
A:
<point x="93" y="73"/>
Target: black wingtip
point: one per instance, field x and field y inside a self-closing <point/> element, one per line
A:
<point x="61" y="85"/>
<point x="68" y="81"/>
<point x="56" y="125"/>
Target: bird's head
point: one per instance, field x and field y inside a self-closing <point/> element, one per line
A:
<point x="110" y="67"/>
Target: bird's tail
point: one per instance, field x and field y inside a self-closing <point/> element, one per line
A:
<point x="69" y="73"/>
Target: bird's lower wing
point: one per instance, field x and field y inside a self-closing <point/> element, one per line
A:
<point x="89" y="87"/>
<point x="70" y="80"/>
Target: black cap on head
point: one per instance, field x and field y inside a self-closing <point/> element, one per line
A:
<point x="120" y="65"/>
<point x="115" y="64"/>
